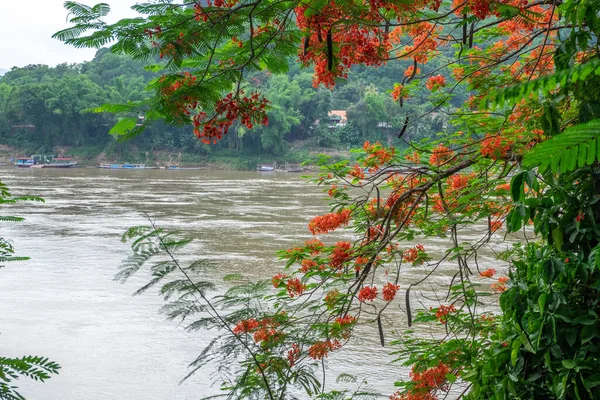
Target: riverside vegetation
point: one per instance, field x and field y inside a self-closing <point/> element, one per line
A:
<point x="46" y="110"/>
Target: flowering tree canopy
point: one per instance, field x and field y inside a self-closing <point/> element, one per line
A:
<point x="521" y="151"/>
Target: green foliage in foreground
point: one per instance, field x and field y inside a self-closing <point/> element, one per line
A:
<point x="548" y="342"/>
<point x="234" y="360"/>
<point x="33" y="367"/>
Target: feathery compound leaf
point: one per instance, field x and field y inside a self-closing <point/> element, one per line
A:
<point x="543" y="85"/>
<point x="114" y="108"/>
<point x="575" y="147"/>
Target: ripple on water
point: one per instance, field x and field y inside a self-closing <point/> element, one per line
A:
<point x="64" y="303"/>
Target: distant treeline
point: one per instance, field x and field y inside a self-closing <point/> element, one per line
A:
<point x="43" y="107"/>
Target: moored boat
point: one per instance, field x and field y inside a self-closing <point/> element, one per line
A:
<point x="45" y="161"/>
<point x="125" y="166"/>
<point x="24" y="162"/>
<point x="58" y="162"/>
<point x="265" y="168"/>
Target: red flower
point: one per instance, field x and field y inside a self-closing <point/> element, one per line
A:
<point x="367" y="293"/>
<point x="293" y="354"/>
<point x="329" y="222"/>
<point x="412" y="255"/>
<point x="501" y="285"/>
<point x="435" y="82"/>
<point x="389" y="291"/>
<point x="320" y="349"/>
<point x="488" y="273"/>
<point x="443" y="311"/>
<point x="295" y="287"/>
<point x="307" y="265"/>
<point x="245" y="326"/>
<point x="432" y="378"/>
<point x="495" y="225"/>
<point x="341" y="253"/>
<point x="495" y="146"/>
<point x="399" y="92"/>
<point x="331" y="298"/>
<point x="409" y="71"/>
<point x="315" y="246"/>
<point x="440" y="155"/>
<point x="357" y="172"/>
<point x="278" y="280"/>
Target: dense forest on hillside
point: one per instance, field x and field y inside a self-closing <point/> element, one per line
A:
<point x="44" y="108"/>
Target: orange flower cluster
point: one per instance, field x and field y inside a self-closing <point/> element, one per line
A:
<point x="278" y="280"/>
<point x="479" y="8"/>
<point x="412" y="255"/>
<point x="341" y="253"/>
<point x="307" y="265"/>
<point x="488" y="273"/>
<point x="342" y="326"/>
<point x="315" y="246"/>
<point x="432" y="378"/>
<point x="264" y="329"/>
<point x="389" y="291"/>
<point x="265" y="334"/>
<point x="179" y="88"/>
<point x="333" y="46"/>
<point x="320" y="349"/>
<point x="357" y="172"/>
<point x="414" y="157"/>
<point x="424" y="41"/>
<point x="426" y="384"/>
<point x="367" y="293"/>
<point x="399" y="92"/>
<point x="504" y="187"/>
<point x="295" y="287"/>
<point x="500" y="287"/>
<point x="495" y="225"/>
<point x="331" y="298"/>
<point x="377" y="155"/>
<point x="329" y="222"/>
<point x="293" y="354"/>
<point x="347" y="320"/>
<point x="245" y="326"/>
<point x="440" y="155"/>
<point x="360" y="261"/>
<point x="410" y="70"/>
<point x="495" y="146"/>
<point x="333" y="190"/>
<point x="249" y="110"/>
<point x="459" y="181"/>
<point x="443" y="311"/>
<point x="435" y="82"/>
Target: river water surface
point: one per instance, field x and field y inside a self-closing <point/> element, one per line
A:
<point x="65" y="304"/>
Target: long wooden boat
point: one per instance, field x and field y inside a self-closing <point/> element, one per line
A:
<point x="125" y="166"/>
<point x="24" y="162"/>
<point x="58" y="162"/>
<point x="265" y="168"/>
<point x="46" y="162"/>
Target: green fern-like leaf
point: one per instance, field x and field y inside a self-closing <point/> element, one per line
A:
<point x="543" y="85"/>
<point x="576" y="147"/>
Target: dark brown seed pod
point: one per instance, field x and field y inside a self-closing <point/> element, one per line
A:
<point x="464" y="38"/>
<point x="404" y="127"/>
<point x="329" y="51"/>
<point x="471" y="35"/>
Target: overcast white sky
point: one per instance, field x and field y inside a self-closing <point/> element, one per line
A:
<point x="26" y="28"/>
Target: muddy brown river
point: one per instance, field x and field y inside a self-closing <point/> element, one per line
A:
<point x="65" y="304"/>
